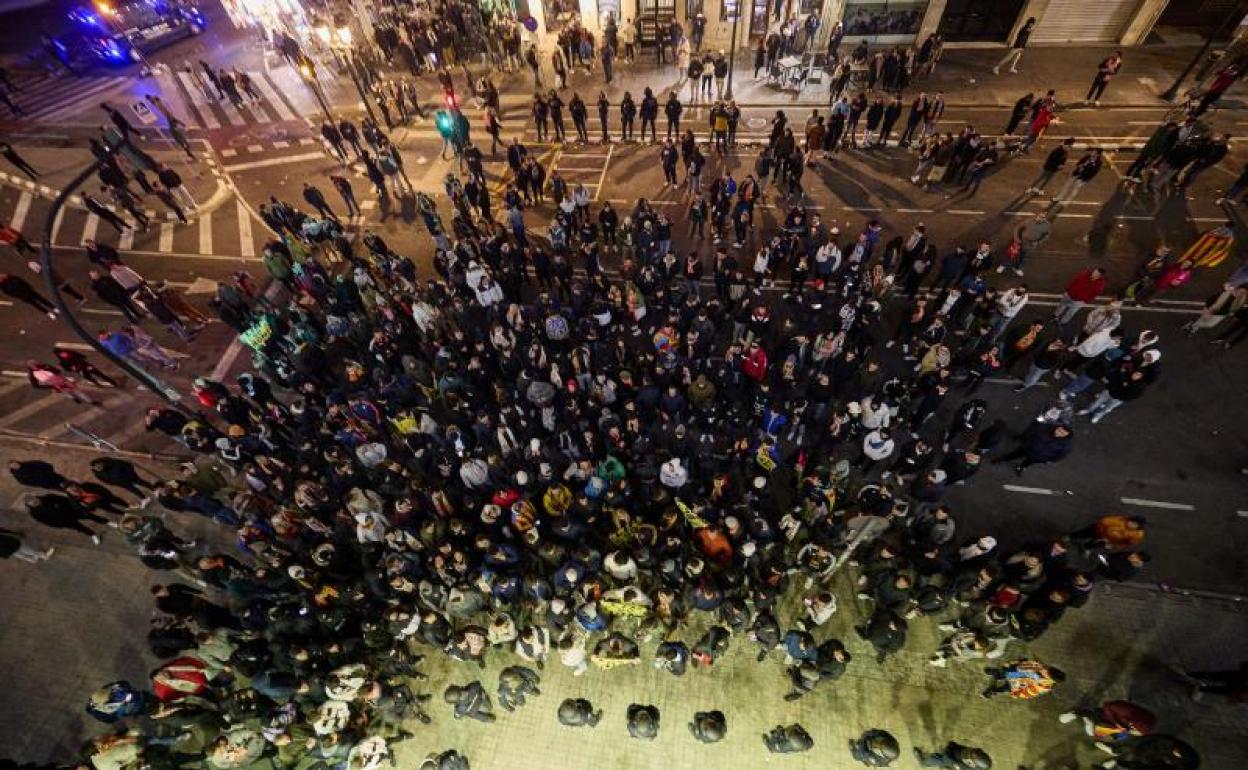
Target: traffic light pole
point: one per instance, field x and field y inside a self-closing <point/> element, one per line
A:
<point x="359" y="85"/>
<point x="145" y="378"/>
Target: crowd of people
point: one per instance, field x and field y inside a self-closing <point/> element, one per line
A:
<point x="534" y="459"/>
<point x="518" y="458"/>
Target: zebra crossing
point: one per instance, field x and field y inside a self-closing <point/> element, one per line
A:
<point x="42" y="416"/>
<point x="60" y="98"/>
<point x="224" y="233"/>
<point x="200" y="107"/>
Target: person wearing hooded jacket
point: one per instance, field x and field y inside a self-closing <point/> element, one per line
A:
<point x="1126" y="382"/>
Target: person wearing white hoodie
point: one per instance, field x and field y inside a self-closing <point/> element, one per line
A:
<point x="877" y="446"/>
<point x="1009" y="304"/>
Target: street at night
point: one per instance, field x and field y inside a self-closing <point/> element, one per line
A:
<point x="377" y="392"/>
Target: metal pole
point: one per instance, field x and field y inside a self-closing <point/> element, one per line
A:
<point x="359" y="87"/>
<point x="732" y="55"/>
<point x="144" y="377"/>
<point x="1173" y="90"/>
<point x="317" y="90"/>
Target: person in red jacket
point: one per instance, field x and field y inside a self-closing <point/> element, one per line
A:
<point x="755" y="363"/>
<point x="1082" y="290"/>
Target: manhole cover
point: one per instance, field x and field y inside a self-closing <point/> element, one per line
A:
<point x="756" y="122"/>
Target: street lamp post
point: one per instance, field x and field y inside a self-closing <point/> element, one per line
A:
<point x="349" y="57"/>
<point x="308" y="71"/>
<point x="732" y="53"/>
<point x="45" y="259"/>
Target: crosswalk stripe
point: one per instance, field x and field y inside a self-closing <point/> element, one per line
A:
<point x="73" y="102"/>
<point x="246" y="245"/>
<point x="227" y="106"/>
<point x="199" y="103"/>
<point x="125" y="241"/>
<point x="56" y="223"/>
<point x="23" y="208"/>
<point x="274" y="98"/>
<point x="166" y="236"/>
<point x="89" y="229"/>
<point x="34" y="407"/>
<point x="205" y="233"/>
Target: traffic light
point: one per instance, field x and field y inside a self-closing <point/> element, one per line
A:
<point x="445" y="123"/>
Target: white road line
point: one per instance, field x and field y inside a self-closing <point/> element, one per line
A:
<point x="34" y="407"/>
<point x="280" y="145"/>
<point x="1157" y="504"/>
<point x="255" y="148"/>
<point x="860" y="208"/>
<point x="93" y="93"/>
<point x="267" y="162"/>
<point x="1029" y="490"/>
<point x="205" y="233"/>
<point x="246" y="245"/>
<point x="199" y="103"/>
<point x="74" y="346"/>
<point x="19" y="213"/>
<point x="914" y="211"/>
<point x="605" y="165"/>
<point x="97" y="311"/>
<point x="166" y="236"/>
<point x="125" y="241"/>
<point x="56" y="223"/>
<point x="1240" y="514"/>
<point x="964" y="212"/>
<point x="90" y="228"/>
<point x="273" y="99"/>
<point x="232" y="112"/>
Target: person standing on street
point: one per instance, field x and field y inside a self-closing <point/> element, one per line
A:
<point x="343" y="186"/>
<point x="316" y="199"/>
<point x="12" y="237"/>
<point x="11" y="546"/>
<point x="95" y="206"/>
<point x="47" y="377"/>
<point x="1053" y="163"/>
<point x="1016" y="50"/>
<point x="1027" y="237"/>
<point x="1042" y="443"/>
<point x="1082" y="290"/>
<point x="20" y="289"/>
<point x="110" y="290"/>
<point x="17" y="160"/>
<point x="172" y="181"/>
<point x="1105" y="71"/>
<point x="61" y="281"/>
<point x="1084" y="171"/>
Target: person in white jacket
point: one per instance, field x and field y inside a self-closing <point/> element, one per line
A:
<point x="877" y="446"/>
<point x="1009" y="304"/>
<point x="873" y="415"/>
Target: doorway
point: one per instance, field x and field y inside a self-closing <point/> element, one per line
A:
<point x="979" y="21"/>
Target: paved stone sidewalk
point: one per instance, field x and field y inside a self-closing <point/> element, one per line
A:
<point x="963" y="75"/>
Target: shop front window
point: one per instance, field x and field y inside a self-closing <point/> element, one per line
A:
<point x="871" y="18"/>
